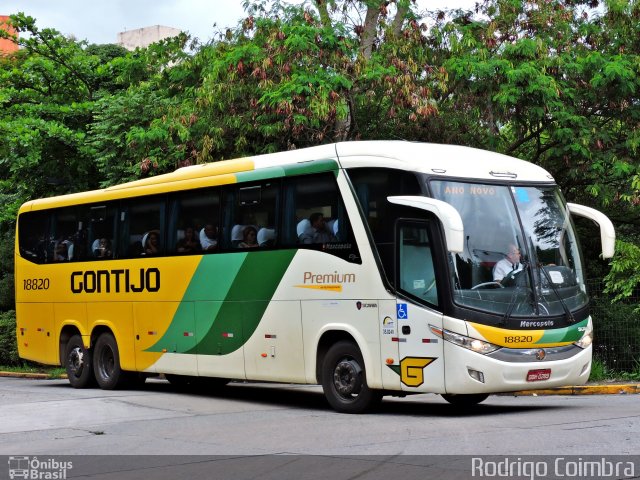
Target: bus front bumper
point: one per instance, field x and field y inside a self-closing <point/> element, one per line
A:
<point x="471" y="372"/>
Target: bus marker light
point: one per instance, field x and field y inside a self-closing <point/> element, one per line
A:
<point x="269" y="335"/>
<point x="26" y="344"/>
<point x="40" y="329"/>
<point x="389" y="361"/>
<point x="263" y="355"/>
<point x="429" y="340"/>
<point x="187" y="334"/>
<point x="227" y="335"/>
<point x="151" y="332"/>
<point x="397" y="339"/>
<point x="437" y="331"/>
<point x="164" y="350"/>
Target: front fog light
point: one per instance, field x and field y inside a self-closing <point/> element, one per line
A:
<point x="476" y="375"/>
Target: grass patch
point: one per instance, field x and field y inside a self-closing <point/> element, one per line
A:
<point x="52" y="372"/>
<point x="600" y="372"/>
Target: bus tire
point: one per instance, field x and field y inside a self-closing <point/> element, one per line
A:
<point x="78" y="363"/>
<point x="106" y="363"/>
<point x="344" y="380"/>
<point x="465" y="400"/>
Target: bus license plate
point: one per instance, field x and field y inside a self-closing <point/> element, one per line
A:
<point x="538" y="375"/>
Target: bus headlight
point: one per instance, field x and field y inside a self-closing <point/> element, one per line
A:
<point x="479" y="346"/>
<point x="587" y="337"/>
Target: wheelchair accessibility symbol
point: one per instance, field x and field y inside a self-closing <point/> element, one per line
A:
<point x="401" y="311"/>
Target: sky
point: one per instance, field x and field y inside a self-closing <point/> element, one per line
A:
<point x="100" y="21"/>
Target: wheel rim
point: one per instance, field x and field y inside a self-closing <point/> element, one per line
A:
<point x="75" y="362"/>
<point x="347" y="378"/>
<point x="107" y="362"/>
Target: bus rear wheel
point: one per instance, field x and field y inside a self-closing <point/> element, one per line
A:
<point x="106" y="363"/>
<point x="344" y="380"/>
<point x="465" y="400"/>
<point x="78" y="363"/>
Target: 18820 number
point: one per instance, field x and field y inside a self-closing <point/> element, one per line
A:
<point x="35" y="284"/>
<point x="519" y="339"/>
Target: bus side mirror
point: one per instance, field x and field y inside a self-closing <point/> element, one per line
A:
<point x="607" y="232"/>
<point x="448" y="216"/>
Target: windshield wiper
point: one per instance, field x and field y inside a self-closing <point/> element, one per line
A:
<point x="570" y="317"/>
<point x="514" y="297"/>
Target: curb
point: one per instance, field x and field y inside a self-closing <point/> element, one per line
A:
<point x="613" y="389"/>
<point x="39" y="376"/>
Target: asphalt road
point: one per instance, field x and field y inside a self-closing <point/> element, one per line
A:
<point x="50" y="417"/>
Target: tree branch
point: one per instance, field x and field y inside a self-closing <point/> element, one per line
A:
<point x="401" y="14"/>
<point x="369" y="32"/>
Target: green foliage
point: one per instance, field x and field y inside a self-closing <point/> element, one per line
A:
<point x="616" y="333"/>
<point x="599" y="371"/>
<point x="623" y="280"/>
<point x="8" y="345"/>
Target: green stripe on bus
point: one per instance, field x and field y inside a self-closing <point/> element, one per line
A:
<point x="303" y="168"/>
<point x="567" y="334"/>
<point x="207" y="284"/>
<point x="231" y="293"/>
<point x="246" y="302"/>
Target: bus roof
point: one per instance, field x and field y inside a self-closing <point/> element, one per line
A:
<point x="433" y="159"/>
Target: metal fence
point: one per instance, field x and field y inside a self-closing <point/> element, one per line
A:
<point x="616" y="329"/>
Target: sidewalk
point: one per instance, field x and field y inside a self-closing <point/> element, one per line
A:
<point x="594" y="389"/>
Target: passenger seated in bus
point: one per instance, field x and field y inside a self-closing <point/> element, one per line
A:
<point x="189" y="243"/>
<point x="60" y="252"/>
<point x="249" y="238"/>
<point x="208" y="239"/>
<point x="318" y="233"/>
<point x="102" y="248"/>
<point x="511" y="263"/>
<point x="151" y="243"/>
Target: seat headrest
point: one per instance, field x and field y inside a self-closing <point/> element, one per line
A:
<point x="303" y="226"/>
<point x="265" y="235"/>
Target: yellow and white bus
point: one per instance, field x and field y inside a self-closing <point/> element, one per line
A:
<point x="368" y="267"/>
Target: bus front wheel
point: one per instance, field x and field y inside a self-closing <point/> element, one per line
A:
<point x="106" y="363"/>
<point x="78" y="363"/>
<point x="465" y="400"/>
<point x="344" y="380"/>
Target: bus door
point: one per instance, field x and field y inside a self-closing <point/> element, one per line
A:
<point x="421" y="363"/>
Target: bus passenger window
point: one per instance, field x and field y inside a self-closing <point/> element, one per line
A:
<point x="316" y="218"/>
<point x="253" y="218"/>
<point x="101" y="232"/>
<point x="143" y="230"/>
<point x="194" y="220"/>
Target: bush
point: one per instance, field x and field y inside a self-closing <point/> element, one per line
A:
<point x="616" y="334"/>
<point x="7" y="292"/>
<point x="8" y="344"/>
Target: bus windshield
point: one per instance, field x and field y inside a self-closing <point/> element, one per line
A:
<point x="521" y="256"/>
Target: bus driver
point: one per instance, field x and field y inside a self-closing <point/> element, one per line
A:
<point x="507" y="265"/>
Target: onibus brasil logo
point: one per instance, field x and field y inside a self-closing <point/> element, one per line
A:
<point x="33" y="468"/>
